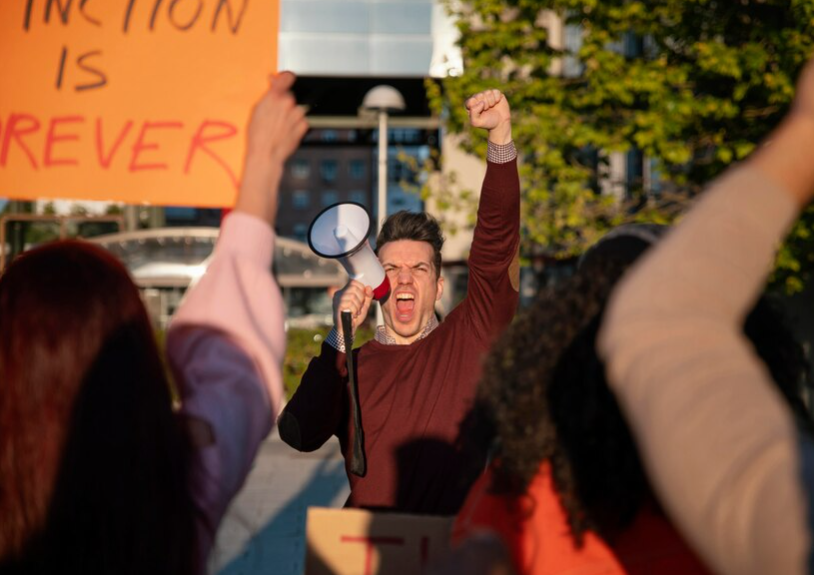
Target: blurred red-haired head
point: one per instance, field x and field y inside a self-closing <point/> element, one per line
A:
<point x="92" y="459"/>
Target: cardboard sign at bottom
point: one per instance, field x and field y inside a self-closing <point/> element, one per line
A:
<point x="357" y="542"/>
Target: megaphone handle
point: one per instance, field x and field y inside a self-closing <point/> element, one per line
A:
<point x="358" y="464"/>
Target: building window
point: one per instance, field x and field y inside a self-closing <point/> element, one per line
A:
<point x="301" y="199"/>
<point x="401" y="172"/>
<point x="300" y="168"/>
<point x="405" y="135"/>
<point x="327" y="169"/>
<point x="357" y="169"/>
<point x="329" y="198"/>
<point x="301" y="232"/>
<point x="359" y="197"/>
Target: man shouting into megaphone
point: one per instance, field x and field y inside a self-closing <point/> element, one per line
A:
<point x="416" y="380"/>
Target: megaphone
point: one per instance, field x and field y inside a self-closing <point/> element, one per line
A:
<point x="340" y="232"/>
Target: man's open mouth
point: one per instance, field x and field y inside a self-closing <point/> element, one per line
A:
<point x="405" y="304"/>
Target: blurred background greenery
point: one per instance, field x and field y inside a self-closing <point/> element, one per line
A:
<point x="305" y="344"/>
<point x="680" y="89"/>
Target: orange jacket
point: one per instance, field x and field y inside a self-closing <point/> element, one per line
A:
<point x="535" y="530"/>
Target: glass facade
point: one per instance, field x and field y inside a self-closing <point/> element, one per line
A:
<point x="366" y="37"/>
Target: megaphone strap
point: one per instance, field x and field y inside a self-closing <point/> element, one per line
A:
<point x="358" y="463"/>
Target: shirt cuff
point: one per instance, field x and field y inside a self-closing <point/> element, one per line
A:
<point x="500" y="153"/>
<point x="335" y="340"/>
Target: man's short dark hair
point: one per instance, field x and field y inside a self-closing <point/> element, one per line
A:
<point x="419" y="227"/>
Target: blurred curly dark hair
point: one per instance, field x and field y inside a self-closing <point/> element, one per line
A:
<point x="543" y="396"/>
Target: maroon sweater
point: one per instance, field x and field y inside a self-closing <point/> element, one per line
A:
<point x="413" y="397"/>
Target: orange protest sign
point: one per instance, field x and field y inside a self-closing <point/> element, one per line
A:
<point x="142" y="101"/>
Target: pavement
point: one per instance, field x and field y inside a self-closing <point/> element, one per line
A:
<point x="264" y="529"/>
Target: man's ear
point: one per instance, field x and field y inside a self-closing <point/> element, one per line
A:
<point x="439" y="288"/>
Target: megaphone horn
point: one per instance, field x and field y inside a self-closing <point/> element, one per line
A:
<point x="340" y="232"/>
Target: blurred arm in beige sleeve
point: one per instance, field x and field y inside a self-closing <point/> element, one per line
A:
<point x="718" y="441"/>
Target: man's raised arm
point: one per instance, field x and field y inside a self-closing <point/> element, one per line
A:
<point x="494" y="270"/>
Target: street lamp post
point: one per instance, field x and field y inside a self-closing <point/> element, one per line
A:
<point x="383" y="100"/>
<point x="381" y="200"/>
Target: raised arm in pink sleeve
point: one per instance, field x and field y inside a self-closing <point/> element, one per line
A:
<point x="717" y="439"/>
<point x="226" y="345"/>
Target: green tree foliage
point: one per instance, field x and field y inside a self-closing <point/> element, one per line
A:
<point x="692" y="84"/>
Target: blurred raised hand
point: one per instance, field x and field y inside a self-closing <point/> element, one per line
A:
<point x="785" y="155"/>
<point x="275" y="130"/>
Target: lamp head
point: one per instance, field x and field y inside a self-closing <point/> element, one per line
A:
<point x="385" y="98"/>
